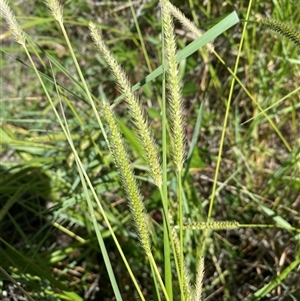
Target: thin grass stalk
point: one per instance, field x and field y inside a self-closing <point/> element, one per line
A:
<point x="193" y="11"/>
<point x="105" y="256"/>
<point x="163" y="287"/>
<point x="164" y="192"/>
<point x="141" y="38"/>
<point x="180" y="217"/>
<point x="156" y="285"/>
<point x="185" y="285"/>
<point x="168" y="237"/>
<point x="57" y="12"/>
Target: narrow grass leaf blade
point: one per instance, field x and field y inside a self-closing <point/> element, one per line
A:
<point x="278" y="219"/>
<point x="269" y="212"/>
<point x="208" y="36"/>
<point x="194" y="140"/>
<point x="271" y="285"/>
<point x="130" y="137"/>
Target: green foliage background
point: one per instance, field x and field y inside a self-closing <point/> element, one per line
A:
<point x="48" y="240"/>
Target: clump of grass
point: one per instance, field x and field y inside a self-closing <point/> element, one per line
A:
<point x="115" y="140"/>
<point x="174" y="244"/>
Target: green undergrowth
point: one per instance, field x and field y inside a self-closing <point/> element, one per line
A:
<point x="140" y="162"/>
